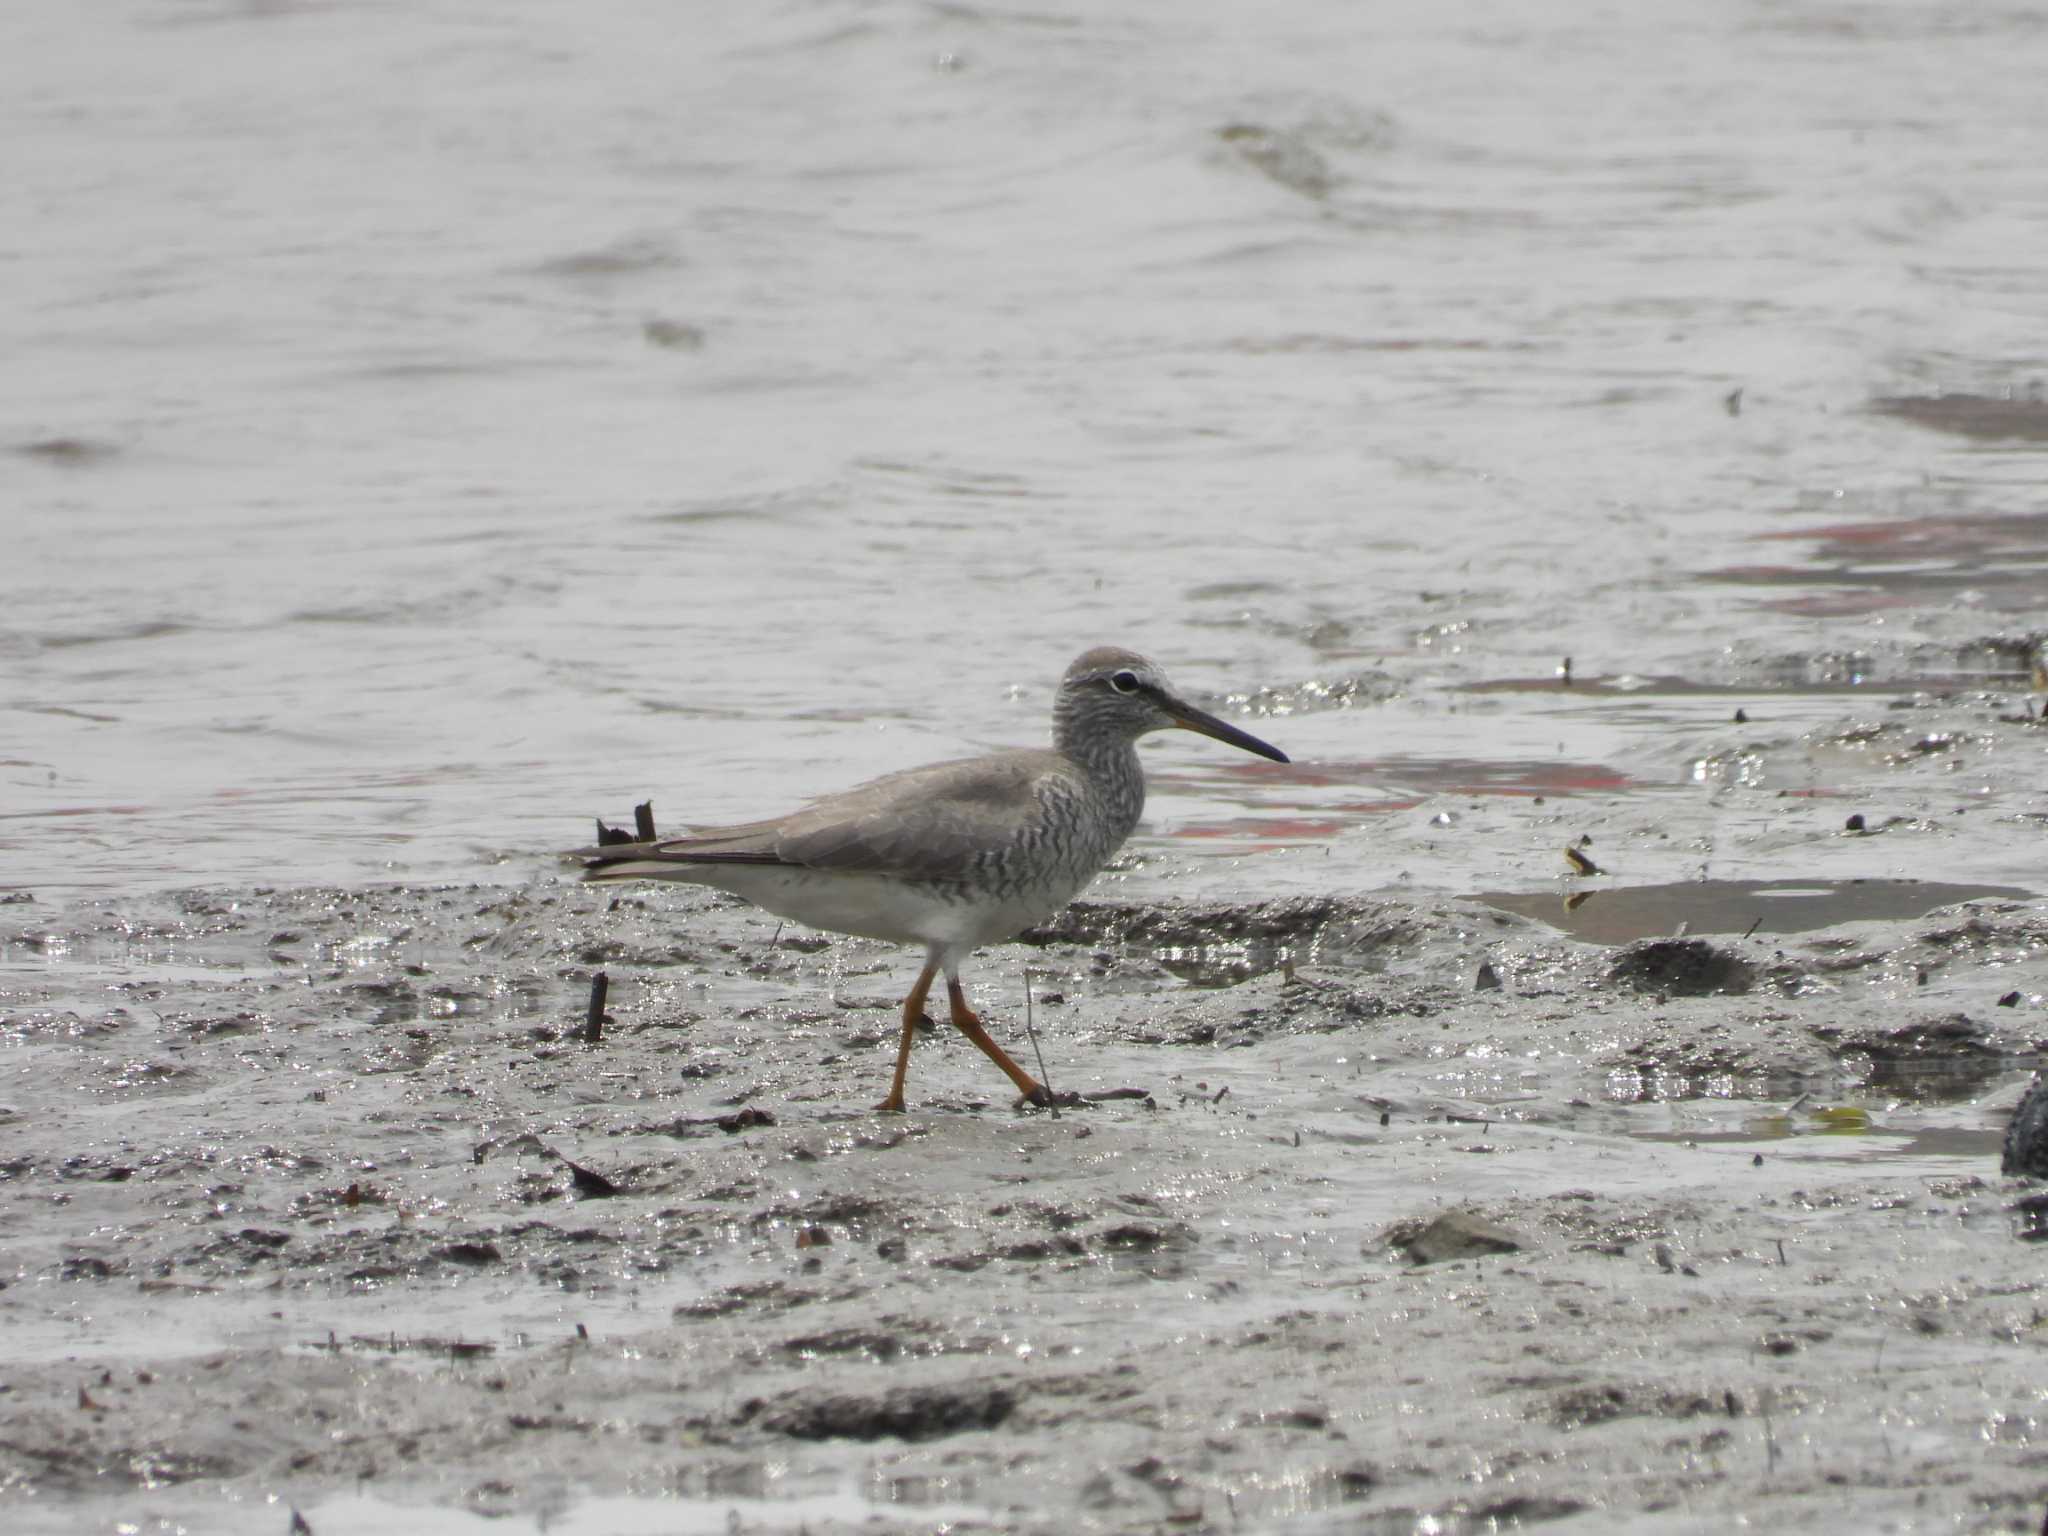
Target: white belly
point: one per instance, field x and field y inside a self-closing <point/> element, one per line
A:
<point x="879" y="906"/>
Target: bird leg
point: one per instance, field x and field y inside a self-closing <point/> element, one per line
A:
<point x="968" y="1024"/>
<point x="913" y="1013"/>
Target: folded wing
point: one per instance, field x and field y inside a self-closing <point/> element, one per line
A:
<point x="936" y="823"/>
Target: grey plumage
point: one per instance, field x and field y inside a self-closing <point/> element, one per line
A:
<point x="957" y="854"/>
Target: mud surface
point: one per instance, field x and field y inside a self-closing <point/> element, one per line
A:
<point x="1412" y="1211"/>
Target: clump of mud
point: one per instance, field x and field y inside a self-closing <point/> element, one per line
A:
<point x="1938" y="1060"/>
<point x="1221" y="945"/>
<point x="902" y="1413"/>
<point x="2025" y="1153"/>
<point x="1682" y="968"/>
<point x="1453" y="1235"/>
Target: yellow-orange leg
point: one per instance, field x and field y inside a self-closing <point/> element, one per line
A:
<point x="965" y="1021"/>
<point x="913" y="1011"/>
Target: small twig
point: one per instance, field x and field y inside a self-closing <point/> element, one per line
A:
<point x="593" y="1017"/>
<point x="1755" y="923"/>
<point x="1031" y="1033"/>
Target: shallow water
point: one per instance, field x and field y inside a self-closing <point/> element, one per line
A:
<point x="1618" y="915"/>
<point x="428" y="429"/>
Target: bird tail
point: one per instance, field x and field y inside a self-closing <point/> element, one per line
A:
<point x="684" y="859"/>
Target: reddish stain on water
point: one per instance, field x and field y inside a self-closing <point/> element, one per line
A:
<point x="1455" y="775"/>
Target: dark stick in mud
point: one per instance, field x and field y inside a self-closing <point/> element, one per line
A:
<point x="593" y="1017"/>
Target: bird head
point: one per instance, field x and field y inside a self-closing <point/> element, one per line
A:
<point x="1110" y="693"/>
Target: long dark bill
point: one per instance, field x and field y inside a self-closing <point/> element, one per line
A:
<point x="1190" y="718"/>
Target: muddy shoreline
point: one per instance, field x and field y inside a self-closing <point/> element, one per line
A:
<point x="317" y="1196"/>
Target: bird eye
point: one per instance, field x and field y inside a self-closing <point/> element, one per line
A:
<point x="1124" y="682"/>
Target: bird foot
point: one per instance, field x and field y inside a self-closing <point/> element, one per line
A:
<point x="893" y="1105"/>
<point x="1042" y="1097"/>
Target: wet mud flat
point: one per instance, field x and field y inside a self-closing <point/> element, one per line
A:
<point x="1414" y="1210"/>
<point x="1626" y="1194"/>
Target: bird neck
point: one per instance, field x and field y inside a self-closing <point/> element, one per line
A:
<point x="1110" y="764"/>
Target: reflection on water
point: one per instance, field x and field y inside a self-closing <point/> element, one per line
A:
<point x="665" y="1514"/>
<point x="1903" y="562"/>
<point x="1969" y="1146"/>
<point x="1623" y="914"/>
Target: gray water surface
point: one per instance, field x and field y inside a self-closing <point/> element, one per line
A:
<point x="427" y="428"/>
